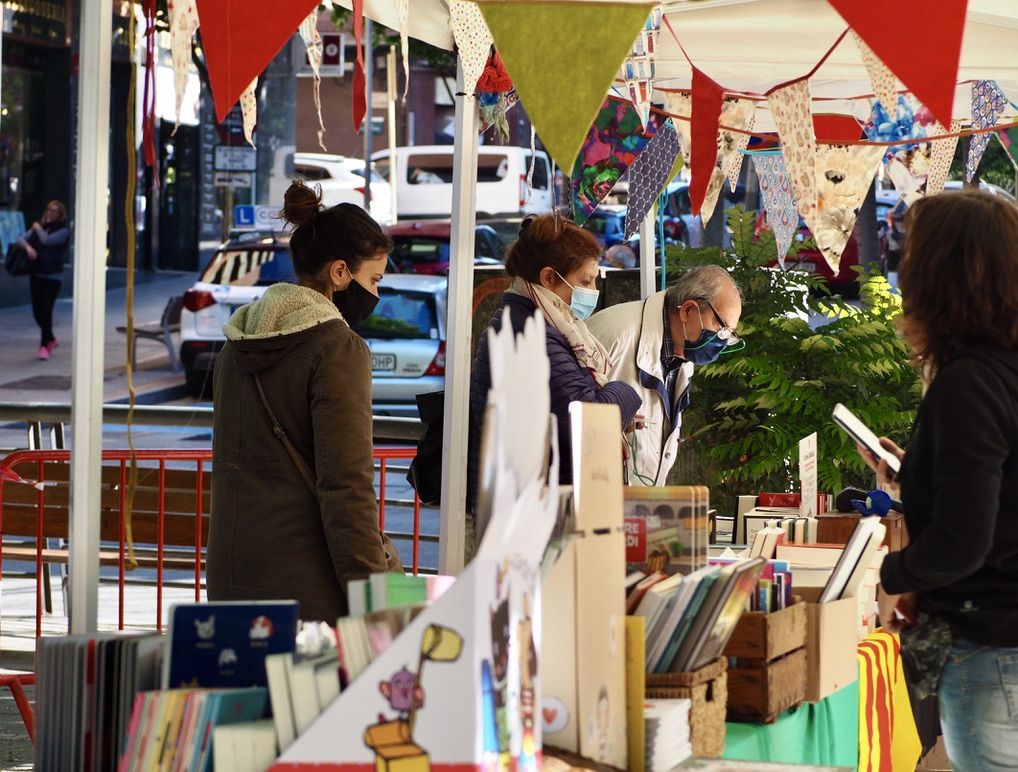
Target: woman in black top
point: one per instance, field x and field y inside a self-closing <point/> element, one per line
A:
<point x="959" y="476"/>
<point x="46" y="244"/>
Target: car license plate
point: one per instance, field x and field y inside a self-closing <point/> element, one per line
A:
<point x="383" y="363"/>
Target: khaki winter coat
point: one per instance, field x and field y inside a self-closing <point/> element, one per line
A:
<point x="270" y="537"/>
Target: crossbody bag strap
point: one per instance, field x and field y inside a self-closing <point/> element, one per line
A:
<point x="280" y="432"/>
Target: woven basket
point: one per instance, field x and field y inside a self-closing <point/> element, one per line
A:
<point x="707" y="688"/>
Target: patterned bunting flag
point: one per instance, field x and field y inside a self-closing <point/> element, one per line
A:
<point x="908" y="170"/>
<point x="736" y="114"/>
<point x="638" y="69"/>
<point x="473" y="40"/>
<point x="313" y="45"/>
<point x="843" y="177"/>
<point x="988" y="102"/>
<point x="680" y="103"/>
<point x="183" y="17"/>
<point x="884" y="83"/>
<point x="790" y="106"/>
<point x="941" y="157"/>
<point x="779" y="200"/>
<point x="249" y="111"/>
<point x="650" y="172"/>
<point x="403" y="12"/>
<point x="741" y="143"/>
<point x="612" y="145"/>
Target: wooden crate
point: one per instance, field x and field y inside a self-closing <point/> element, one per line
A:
<point x="763" y="636"/>
<point x="837" y="528"/>
<point x="707" y="688"/>
<point x="764" y="691"/>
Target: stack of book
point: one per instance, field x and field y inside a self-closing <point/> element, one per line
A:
<point x="300" y="688"/>
<point x="392" y="590"/>
<point x="84" y="693"/>
<point x="666" y="734"/>
<point x="173" y="730"/>
<point x="688" y="620"/>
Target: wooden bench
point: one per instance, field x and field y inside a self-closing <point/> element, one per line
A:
<point x="161" y="331"/>
<point x="19" y="513"/>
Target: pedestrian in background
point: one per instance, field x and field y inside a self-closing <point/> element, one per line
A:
<point x="554" y="267"/>
<point x="46" y="244"/>
<point x="953" y="591"/>
<point x="294" y="478"/>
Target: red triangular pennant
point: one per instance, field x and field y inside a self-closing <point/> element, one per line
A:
<point x="241" y="38"/>
<point x="830" y="127"/>
<point x="704" y="120"/>
<point x="360" y="96"/>
<point x="926" y="59"/>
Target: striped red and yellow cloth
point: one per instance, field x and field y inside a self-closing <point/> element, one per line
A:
<point x="888" y="740"/>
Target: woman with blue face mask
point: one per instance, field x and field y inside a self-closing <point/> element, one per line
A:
<point x="553" y="266"/>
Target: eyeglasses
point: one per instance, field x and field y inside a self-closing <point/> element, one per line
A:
<point x="726" y="333"/>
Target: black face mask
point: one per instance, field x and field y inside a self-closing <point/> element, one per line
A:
<point x="355" y="303"/>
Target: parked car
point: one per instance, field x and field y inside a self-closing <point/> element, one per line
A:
<point x="423" y="246"/>
<point x="342" y="181"/>
<point x="424" y="180"/>
<point x="238" y="273"/>
<point x="985" y="187"/>
<point x="406" y="335"/>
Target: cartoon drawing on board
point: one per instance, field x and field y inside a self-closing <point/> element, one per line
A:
<point x="500" y="632"/>
<point x="528" y="671"/>
<point x="392" y="739"/>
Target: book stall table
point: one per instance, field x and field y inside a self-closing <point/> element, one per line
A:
<point x="868" y="723"/>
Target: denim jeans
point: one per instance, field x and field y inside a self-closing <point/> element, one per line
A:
<point x="979" y="707"/>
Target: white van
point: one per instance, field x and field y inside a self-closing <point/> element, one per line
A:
<point x="423" y="177"/>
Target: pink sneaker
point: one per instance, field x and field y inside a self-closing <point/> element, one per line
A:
<point x="52" y="345"/>
<point x="43" y="352"/>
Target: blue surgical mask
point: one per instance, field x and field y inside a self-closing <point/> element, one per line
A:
<point x="705" y="349"/>
<point x="583" y="301"/>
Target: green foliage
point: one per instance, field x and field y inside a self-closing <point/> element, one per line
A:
<point x="751" y="407"/>
<point x="996" y="166"/>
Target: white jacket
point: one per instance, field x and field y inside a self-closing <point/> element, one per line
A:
<point x="633" y="334"/>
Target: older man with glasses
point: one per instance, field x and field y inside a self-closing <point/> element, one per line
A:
<point x="654" y="345"/>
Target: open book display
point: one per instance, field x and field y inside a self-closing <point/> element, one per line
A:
<point x="466" y="667"/>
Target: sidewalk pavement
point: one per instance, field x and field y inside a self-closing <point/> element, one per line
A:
<point x="25" y="378"/>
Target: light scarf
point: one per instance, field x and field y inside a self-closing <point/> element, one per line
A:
<point x="586" y="348"/>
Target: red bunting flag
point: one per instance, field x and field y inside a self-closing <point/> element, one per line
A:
<point x="831" y="127"/>
<point x="925" y="58"/>
<point x="704" y="119"/>
<point x="241" y="37"/>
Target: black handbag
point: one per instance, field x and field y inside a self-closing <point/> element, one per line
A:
<point x="17" y="262"/>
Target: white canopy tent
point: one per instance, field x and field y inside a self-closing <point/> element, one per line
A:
<point x="744" y="45"/>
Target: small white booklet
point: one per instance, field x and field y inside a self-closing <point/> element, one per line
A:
<point x="861" y="433"/>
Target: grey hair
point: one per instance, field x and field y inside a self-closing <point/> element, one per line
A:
<point x="703" y="282"/>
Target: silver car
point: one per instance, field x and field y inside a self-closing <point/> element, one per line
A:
<point x="406" y="335"/>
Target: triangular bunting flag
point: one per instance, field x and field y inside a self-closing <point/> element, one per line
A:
<point x="650" y="172"/>
<point x="941" y="157"/>
<point x="708" y="98"/>
<point x="540" y="40"/>
<point x="613" y="143"/>
<point x="313" y="46"/>
<point x="741" y="143"/>
<point x="183" y="23"/>
<point x="403" y="12"/>
<point x="926" y="59"/>
<point x="988" y="102"/>
<point x="908" y="170"/>
<point x="359" y="85"/>
<point x="249" y="111"/>
<point x="790" y="106"/>
<point x="779" y="201"/>
<point x="473" y="41"/>
<point x="638" y="68"/>
<point x="680" y="103"/>
<point x="832" y="127"/>
<point x="241" y="39"/>
<point x="736" y="114"/>
<point x="843" y="177"/>
<point x="884" y="83"/>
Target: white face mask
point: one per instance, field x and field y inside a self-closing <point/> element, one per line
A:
<point x="583" y="301"/>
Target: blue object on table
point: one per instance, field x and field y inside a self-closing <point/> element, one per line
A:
<point x="877" y="503"/>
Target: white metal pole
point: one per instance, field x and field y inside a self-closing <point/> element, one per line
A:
<point x="648" y="283"/>
<point x="390" y="68"/>
<point x="88" y="338"/>
<point x="368" y="125"/>
<point x="457" y="359"/>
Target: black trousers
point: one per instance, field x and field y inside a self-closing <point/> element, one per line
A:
<point x="44" y="297"/>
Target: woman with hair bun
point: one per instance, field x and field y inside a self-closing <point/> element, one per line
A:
<point x="293" y="499"/>
<point x="554" y="267"/>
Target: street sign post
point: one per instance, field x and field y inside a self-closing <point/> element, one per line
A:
<point x="256" y="217"/>
<point x="235" y="158"/>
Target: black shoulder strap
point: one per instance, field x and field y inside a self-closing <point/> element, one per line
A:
<point x="280" y="432"/>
